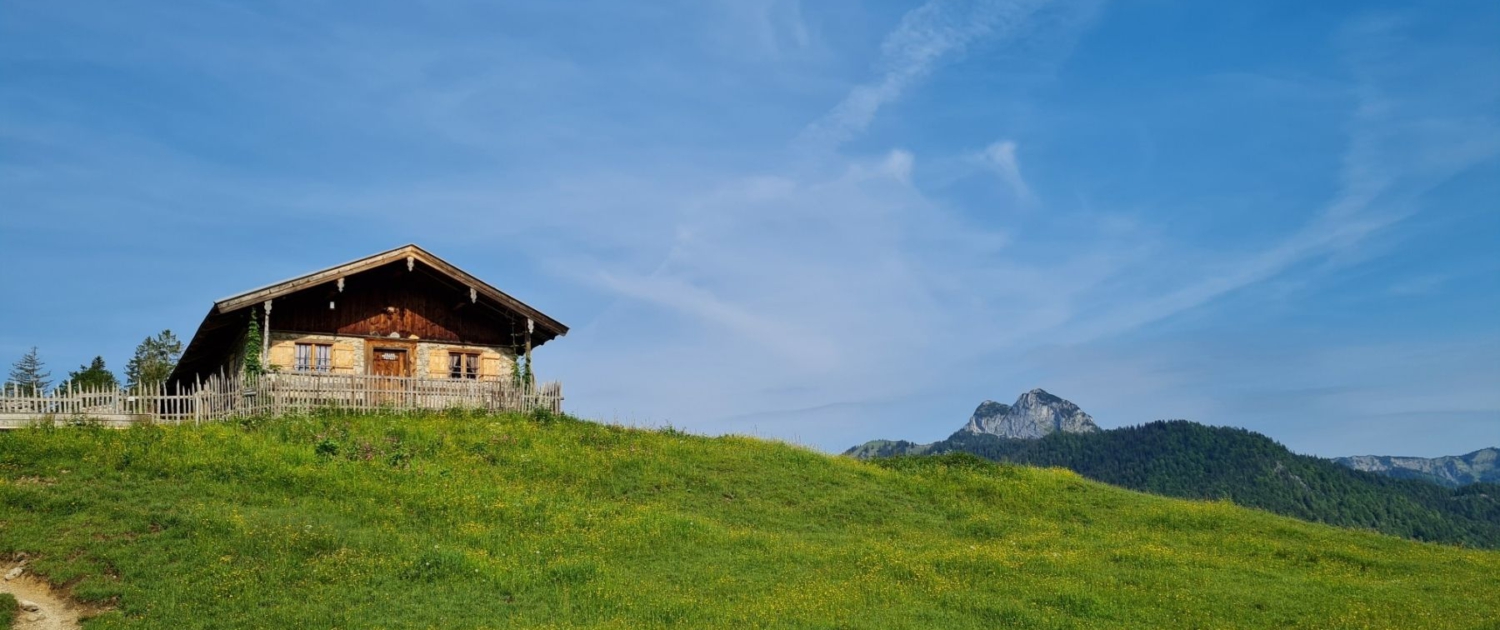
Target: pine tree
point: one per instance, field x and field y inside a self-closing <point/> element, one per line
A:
<point x="153" y="360"/>
<point x="93" y="376"/>
<point x="28" y="375"/>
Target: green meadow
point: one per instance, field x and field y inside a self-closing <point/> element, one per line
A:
<point x="465" y="521"/>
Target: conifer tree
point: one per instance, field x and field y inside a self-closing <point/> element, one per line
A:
<point x="153" y="360"/>
<point x="92" y="376"/>
<point x="28" y="375"/>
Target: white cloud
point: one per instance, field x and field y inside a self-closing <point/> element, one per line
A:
<point x="1001" y="157"/>
<point x="926" y="35"/>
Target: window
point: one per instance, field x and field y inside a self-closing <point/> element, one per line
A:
<point x="463" y="365"/>
<point x="314" y="356"/>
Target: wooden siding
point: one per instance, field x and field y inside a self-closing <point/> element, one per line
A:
<point x="392" y="302"/>
<point x="414" y="258"/>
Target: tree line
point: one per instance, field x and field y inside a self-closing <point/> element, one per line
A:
<point x="150" y="366"/>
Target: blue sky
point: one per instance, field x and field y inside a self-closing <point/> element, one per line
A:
<point x="821" y="222"/>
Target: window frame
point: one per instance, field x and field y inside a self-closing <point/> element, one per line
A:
<point x="323" y="357"/>
<point x="312" y="356"/>
<point x="463" y="365"/>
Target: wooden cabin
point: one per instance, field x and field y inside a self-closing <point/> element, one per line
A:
<point x="403" y="313"/>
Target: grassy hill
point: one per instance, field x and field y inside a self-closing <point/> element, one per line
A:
<point x="511" y="521"/>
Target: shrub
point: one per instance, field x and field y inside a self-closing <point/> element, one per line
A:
<point x="327" y="447"/>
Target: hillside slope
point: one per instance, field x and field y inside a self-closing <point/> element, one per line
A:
<point x="487" y="522"/>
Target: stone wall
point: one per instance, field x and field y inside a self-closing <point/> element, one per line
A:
<point x="432" y="360"/>
<point x="348" y="353"/>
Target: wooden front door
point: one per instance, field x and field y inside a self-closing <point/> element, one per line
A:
<point x="390" y="362"/>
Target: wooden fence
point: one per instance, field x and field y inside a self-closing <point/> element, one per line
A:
<point x="222" y="398"/>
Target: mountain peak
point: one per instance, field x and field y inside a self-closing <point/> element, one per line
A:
<point x="1034" y="414"/>
<point x="1041" y="395"/>
<point x="986" y="410"/>
<point x="991" y="408"/>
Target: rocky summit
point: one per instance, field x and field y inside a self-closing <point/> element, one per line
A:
<point x="1035" y="414"/>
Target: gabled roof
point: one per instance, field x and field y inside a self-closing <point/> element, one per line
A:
<point x="226" y="319"/>
<point x="415" y="254"/>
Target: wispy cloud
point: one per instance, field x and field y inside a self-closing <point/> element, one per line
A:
<point x="639" y="188"/>
<point x="746" y="286"/>
<point x="774" y="28"/>
<point x="1420" y="284"/>
<point x="1001" y="158"/>
<point x="790" y="343"/>
<point x="937" y="30"/>
<point x="1397" y="150"/>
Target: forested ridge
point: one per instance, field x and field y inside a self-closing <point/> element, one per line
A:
<point x="1185" y="459"/>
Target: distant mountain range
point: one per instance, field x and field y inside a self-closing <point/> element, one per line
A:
<point x="1481" y="466"/>
<point x="1185" y="459"/>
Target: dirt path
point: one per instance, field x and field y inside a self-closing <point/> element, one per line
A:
<point x="53" y="610"/>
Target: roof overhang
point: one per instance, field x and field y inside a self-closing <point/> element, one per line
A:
<point x="410" y="253"/>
